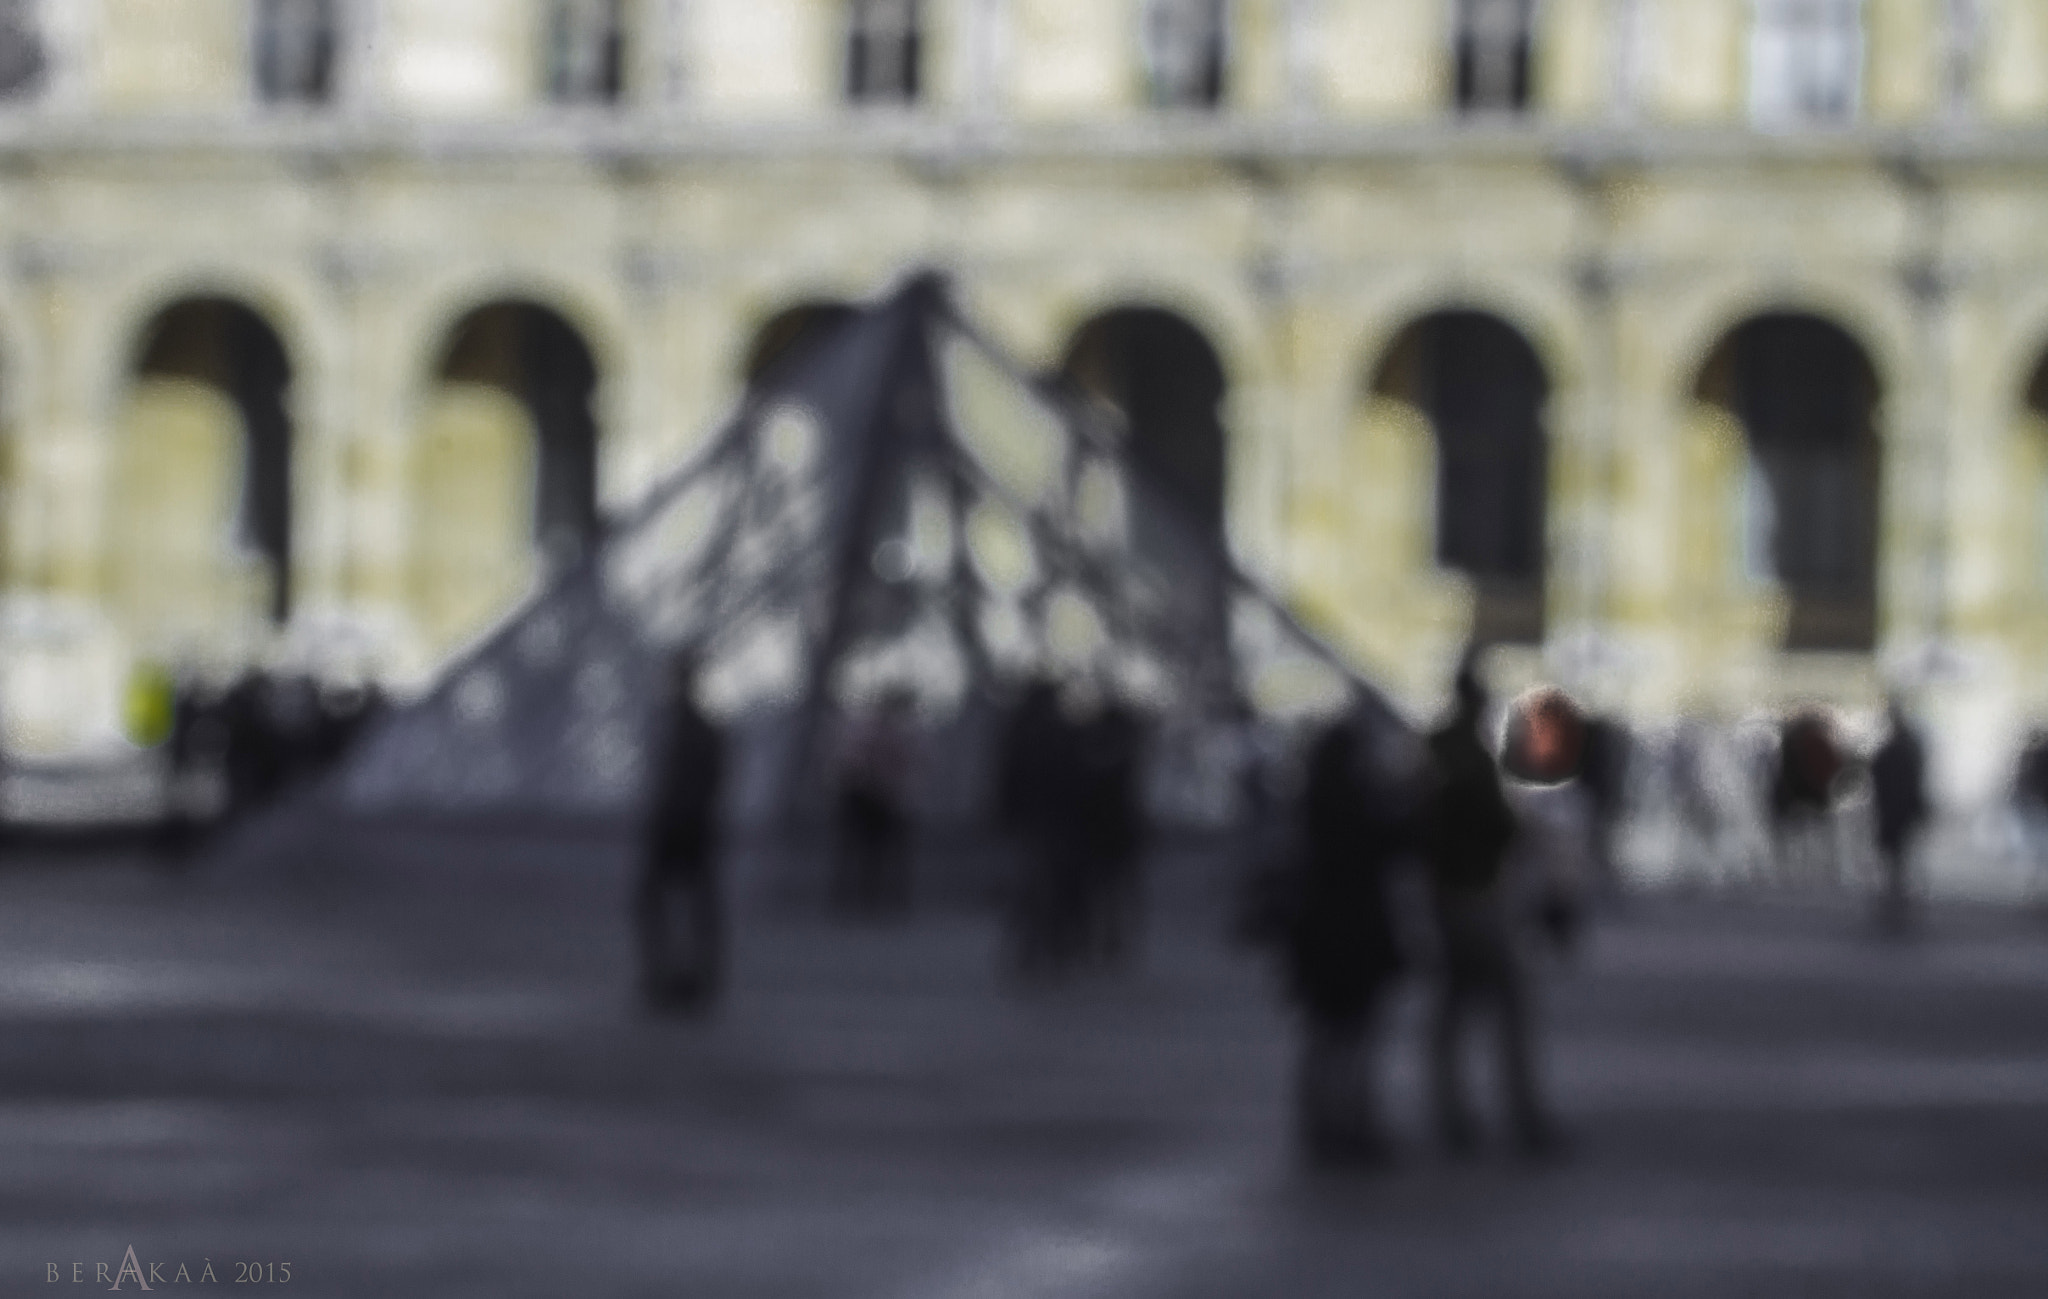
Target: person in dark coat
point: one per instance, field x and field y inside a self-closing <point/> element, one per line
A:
<point x="1803" y="795"/>
<point x="1343" y="952"/>
<point x="2030" y="799"/>
<point x="871" y="873"/>
<point x="1031" y="791"/>
<point x="1603" y="772"/>
<point x="678" y="905"/>
<point x="1467" y="832"/>
<point x="1898" y="777"/>
<point x="1109" y="816"/>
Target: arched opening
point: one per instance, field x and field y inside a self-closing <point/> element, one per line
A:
<point x="1806" y="396"/>
<point x="1165" y="383"/>
<point x="205" y="457"/>
<point x="532" y="355"/>
<point x="504" y="468"/>
<point x="789" y="331"/>
<point x="1162" y="386"/>
<point x="1482" y="388"/>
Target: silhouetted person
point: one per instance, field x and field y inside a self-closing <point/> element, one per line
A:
<point x="1603" y="774"/>
<point x="1546" y="751"/>
<point x="1109" y="816"/>
<point x="2030" y="798"/>
<point x="872" y="868"/>
<point x="255" y="760"/>
<point x="1467" y="832"/>
<point x="1803" y="789"/>
<point x="1898" y="778"/>
<point x="678" y="905"/>
<point x="1343" y="952"/>
<point x="1032" y="788"/>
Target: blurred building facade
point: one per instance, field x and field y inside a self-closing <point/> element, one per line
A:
<point x="1691" y="350"/>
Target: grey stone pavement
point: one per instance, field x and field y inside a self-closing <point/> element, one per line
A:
<point x="411" y="1067"/>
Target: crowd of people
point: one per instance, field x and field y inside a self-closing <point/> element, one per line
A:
<point x="1497" y="836"/>
<point x="234" y="749"/>
<point x="1499" y="858"/>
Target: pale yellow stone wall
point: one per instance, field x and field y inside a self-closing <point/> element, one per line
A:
<point x="1332" y="202"/>
<point x="1384" y="60"/>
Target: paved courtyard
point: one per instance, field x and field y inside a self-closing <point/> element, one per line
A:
<point x="411" y="1067"/>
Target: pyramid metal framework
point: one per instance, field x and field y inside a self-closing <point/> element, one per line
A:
<point x="895" y="506"/>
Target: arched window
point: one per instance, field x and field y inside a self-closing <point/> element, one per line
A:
<point x="1482" y="388"/>
<point x="1164" y="384"/>
<point x="1492" y="55"/>
<point x="1185" y="50"/>
<point x="1806" y="61"/>
<point x="1806" y="396"/>
<point x="296" y="47"/>
<point x="532" y="355"/>
<point x="585" y="51"/>
<point x="22" y="61"/>
<point x="1163" y="378"/>
<point x="206" y="458"/>
<point x="884" y="50"/>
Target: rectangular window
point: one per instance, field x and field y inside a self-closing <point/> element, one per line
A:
<point x="1806" y="62"/>
<point x="1492" y="54"/>
<point x="1962" y="34"/>
<point x="1184" y="52"/>
<point x="295" y="51"/>
<point x="22" y="65"/>
<point x="586" y="47"/>
<point x="884" y="43"/>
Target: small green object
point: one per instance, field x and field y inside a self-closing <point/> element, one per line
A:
<point x="146" y="712"/>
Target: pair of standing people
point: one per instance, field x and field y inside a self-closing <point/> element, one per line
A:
<point x="1345" y="949"/>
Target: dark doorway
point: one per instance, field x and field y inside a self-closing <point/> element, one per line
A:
<point x="1806" y="396"/>
<point x="224" y="344"/>
<point x="1482" y="388"/>
<point x="789" y="331"/>
<point x="538" y="358"/>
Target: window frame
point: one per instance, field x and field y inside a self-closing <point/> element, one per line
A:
<point x="859" y="87"/>
<point x="1792" y="44"/>
<point x="270" y="88"/>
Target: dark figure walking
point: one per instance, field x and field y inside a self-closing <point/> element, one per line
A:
<point x="678" y="907"/>
<point x="872" y="870"/>
<point x="1468" y="829"/>
<point x="2030" y="803"/>
<point x="1803" y="798"/>
<point x="1110" y="820"/>
<point x="1343" y="953"/>
<point x="1034" y="780"/>
<point x="1604" y="772"/>
<point x="1898" y="778"/>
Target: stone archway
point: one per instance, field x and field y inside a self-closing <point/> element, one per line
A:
<point x="1482" y="387"/>
<point x="1805" y="394"/>
<point x="205" y="458"/>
